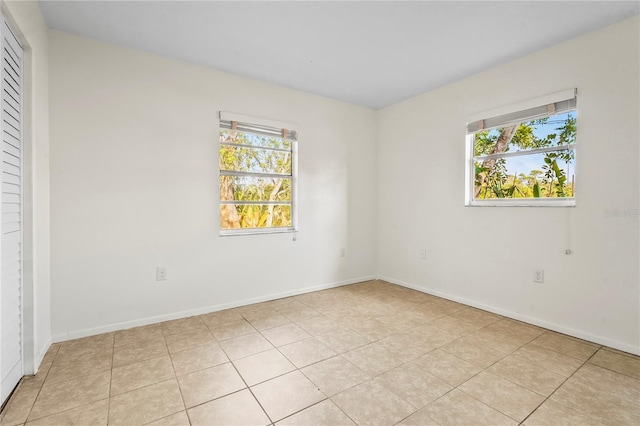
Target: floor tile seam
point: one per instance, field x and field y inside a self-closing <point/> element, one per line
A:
<point x="613" y="371"/>
<point x="4" y="409"/>
<point x="175" y="377"/>
<point x="252" y="394"/>
<point x="199" y="345"/>
<point x="533" y="342"/>
<point x="113" y="351"/>
<point x="128" y="364"/>
<point x="558" y="387"/>
<point x="327" y="398"/>
<point x="620" y="352"/>
<point x="26" y="422"/>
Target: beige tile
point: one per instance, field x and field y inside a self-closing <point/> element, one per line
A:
<point x="413" y="384"/>
<point x="57" y="397"/>
<point x="50" y="356"/>
<point x="231" y="330"/>
<point x="476" y="316"/>
<point x="324" y="413"/>
<point x="198" y="358"/>
<point x="551" y="360"/>
<point x="29" y="382"/>
<point x="458" y="408"/>
<point x="190" y="339"/>
<point x="140" y="374"/>
<point x="318" y="325"/>
<point x="554" y="414"/>
<point x="285" y="334"/>
<point x="146" y="404"/>
<point x="256" y="310"/>
<point x="243" y="346"/>
<point x="335" y="375"/>
<point x="446" y="306"/>
<point x="469" y="349"/>
<point x="629" y="365"/>
<point x="138" y="334"/>
<point x="265" y="322"/>
<point x="455" y="326"/>
<point x="78" y="347"/>
<point x="516" y="329"/>
<point x="81" y="351"/>
<point x="215" y="319"/>
<point x="263" y="366"/>
<point x="505" y="396"/>
<point x="373" y="329"/>
<point x="17" y="409"/>
<point x="205" y="385"/>
<point x="407" y="346"/>
<point x="523" y="373"/>
<point x="602" y="402"/>
<point x="285" y="395"/>
<point x="566" y="345"/>
<point x="239" y="408"/>
<point x="371" y="403"/>
<point x="182" y="325"/>
<point x="373" y="358"/>
<point x="178" y="419"/>
<point x="298" y="314"/>
<point x="94" y="413"/>
<point x="496" y="340"/>
<point x="608" y="382"/>
<point x="419" y="418"/>
<point x="306" y="352"/>
<point x="129" y="354"/>
<point x="342" y="340"/>
<point x="435" y="336"/>
<point x="90" y="363"/>
<point x="447" y="367"/>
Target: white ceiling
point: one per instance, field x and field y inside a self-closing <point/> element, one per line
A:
<point x="368" y="53"/>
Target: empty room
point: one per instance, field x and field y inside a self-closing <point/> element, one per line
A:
<point x="320" y="213"/>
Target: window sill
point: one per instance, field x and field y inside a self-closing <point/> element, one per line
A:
<point x="253" y="231"/>
<point x="519" y="202"/>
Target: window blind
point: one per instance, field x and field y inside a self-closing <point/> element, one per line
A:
<point x="527" y="114"/>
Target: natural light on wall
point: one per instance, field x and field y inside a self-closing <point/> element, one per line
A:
<point x="257" y="160"/>
<point x="523" y="155"/>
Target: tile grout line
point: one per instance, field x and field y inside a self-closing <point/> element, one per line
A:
<point x="559" y="386"/>
<point x="251" y="392"/>
<point x="175" y="377"/>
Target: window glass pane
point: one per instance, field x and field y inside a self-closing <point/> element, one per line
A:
<point x="556" y="130"/>
<point x="254" y="160"/>
<point x="254" y="216"/>
<point x="244" y="138"/>
<point x="547" y="175"/>
<point x="251" y="188"/>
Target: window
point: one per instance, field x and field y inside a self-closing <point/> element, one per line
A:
<point x="257" y="160"/>
<point x="524" y="155"/>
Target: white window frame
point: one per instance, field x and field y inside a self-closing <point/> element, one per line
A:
<point x="499" y="117"/>
<point x="246" y="121"/>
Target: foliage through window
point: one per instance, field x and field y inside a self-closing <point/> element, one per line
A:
<point x="525" y="157"/>
<point x="257" y="178"/>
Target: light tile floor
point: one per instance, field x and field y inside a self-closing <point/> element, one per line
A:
<point x="369" y="354"/>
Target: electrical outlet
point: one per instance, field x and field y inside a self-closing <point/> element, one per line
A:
<point x="161" y="273"/>
<point x="342" y="252"/>
<point x="538" y="276"/>
<point x="422" y="254"/>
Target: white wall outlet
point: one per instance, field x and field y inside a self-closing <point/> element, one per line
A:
<point x="422" y="254"/>
<point x="538" y="276"/>
<point x="343" y="253"/>
<point x="161" y="273"/>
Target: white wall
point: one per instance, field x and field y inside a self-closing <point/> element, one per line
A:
<point x="28" y="21"/>
<point x="486" y="256"/>
<point x="134" y="185"/>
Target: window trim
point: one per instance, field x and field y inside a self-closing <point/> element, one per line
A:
<point x="266" y="126"/>
<point x="470" y="158"/>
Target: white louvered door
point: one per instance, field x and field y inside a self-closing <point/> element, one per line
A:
<point x="11" y="209"/>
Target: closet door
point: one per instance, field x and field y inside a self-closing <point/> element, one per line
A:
<point x="11" y="211"/>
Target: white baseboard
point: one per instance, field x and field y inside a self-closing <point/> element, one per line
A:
<point x="85" y="332"/>
<point x="601" y="340"/>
